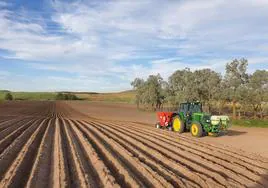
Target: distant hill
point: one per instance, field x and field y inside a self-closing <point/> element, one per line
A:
<point x="75" y="92"/>
<point x="122" y="96"/>
<point x="4" y="91"/>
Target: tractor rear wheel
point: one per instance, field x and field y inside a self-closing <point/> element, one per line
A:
<point x="196" y="129"/>
<point x="177" y="124"/>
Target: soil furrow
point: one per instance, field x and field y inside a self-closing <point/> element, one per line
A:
<point x="13" y="127"/>
<point x="139" y="172"/>
<point x="204" y="151"/>
<point x="40" y="174"/>
<point x="225" y="167"/>
<point x="18" y="173"/>
<point x="124" y="176"/>
<point x="10" y="123"/>
<point x="189" y="169"/>
<point x="96" y="168"/>
<point x="81" y="178"/>
<point x="228" y="168"/>
<point x="209" y="174"/>
<point x="242" y="173"/>
<point x="11" y="152"/>
<point x="253" y="158"/>
<point x="247" y="179"/>
<point x="69" y="167"/>
<point x="139" y="151"/>
<point x="5" y="120"/>
<point x="154" y="178"/>
<point x="56" y="144"/>
<point x="4" y="143"/>
<point x="59" y="177"/>
<point x="187" y="172"/>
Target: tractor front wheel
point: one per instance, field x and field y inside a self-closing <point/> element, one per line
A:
<point x="177" y="124"/>
<point x="196" y="129"/>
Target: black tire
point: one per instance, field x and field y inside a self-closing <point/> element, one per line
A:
<point x="175" y="120"/>
<point x="169" y="128"/>
<point x="196" y="129"/>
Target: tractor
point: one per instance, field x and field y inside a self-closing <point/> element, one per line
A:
<point x="190" y="117"/>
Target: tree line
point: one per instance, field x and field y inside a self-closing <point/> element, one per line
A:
<point x="59" y="96"/>
<point x="66" y="96"/>
<point x="243" y="91"/>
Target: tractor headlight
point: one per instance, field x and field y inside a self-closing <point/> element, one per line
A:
<point x="208" y="121"/>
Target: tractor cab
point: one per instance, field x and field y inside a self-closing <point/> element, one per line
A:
<point x="190" y="108"/>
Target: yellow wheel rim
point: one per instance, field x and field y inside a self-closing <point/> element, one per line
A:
<point x="194" y="129"/>
<point x="176" y="124"/>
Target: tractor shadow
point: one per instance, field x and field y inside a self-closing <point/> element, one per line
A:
<point x="232" y="133"/>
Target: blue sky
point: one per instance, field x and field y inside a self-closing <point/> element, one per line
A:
<point x="54" y="45"/>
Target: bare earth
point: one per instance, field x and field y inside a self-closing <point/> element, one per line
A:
<point x="253" y="140"/>
<point x="78" y="144"/>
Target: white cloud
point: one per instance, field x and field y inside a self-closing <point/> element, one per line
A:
<point x="258" y="60"/>
<point x="125" y="39"/>
<point x="4" y="4"/>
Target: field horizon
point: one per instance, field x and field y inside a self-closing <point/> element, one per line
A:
<point x="120" y="96"/>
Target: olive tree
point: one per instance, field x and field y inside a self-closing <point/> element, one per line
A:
<point x="180" y="86"/>
<point x="202" y="85"/>
<point x="258" y="91"/>
<point x="236" y="77"/>
<point x="138" y="85"/>
<point x="206" y="86"/>
<point x="150" y="92"/>
<point x="223" y="96"/>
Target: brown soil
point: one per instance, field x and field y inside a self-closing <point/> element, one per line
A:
<point x="252" y="140"/>
<point x="76" y="144"/>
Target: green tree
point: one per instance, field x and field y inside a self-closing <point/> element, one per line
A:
<point x="223" y="95"/>
<point x="66" y="96"/>
<point x="258" y="91"/>
<point x="236" y="77"/>
<point x="70" y="96"/>
<point x="60" y="96"/>
<point x="8" y="97"/>
<point x="202" y="85"/>
<point x="150" y="92"/>
<point x="138" y="85"/>
<point x="180" y="87"/>
<point x="206" y="86"/>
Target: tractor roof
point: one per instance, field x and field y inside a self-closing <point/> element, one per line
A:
<point x="191" y="102"/>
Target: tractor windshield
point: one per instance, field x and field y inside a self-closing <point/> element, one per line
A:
<point x="190" y="108"/>
<point x="195" y="108"/>
<point x="184" y="108"/>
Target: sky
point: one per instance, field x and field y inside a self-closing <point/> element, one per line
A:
<point x="102" y="45"/>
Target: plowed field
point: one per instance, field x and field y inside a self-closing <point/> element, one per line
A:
<point x="49" y="144"/>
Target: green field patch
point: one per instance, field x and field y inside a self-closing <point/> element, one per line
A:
<point x="250" y="123"/>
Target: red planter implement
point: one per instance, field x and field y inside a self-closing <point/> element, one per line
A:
<point x="164" y="118"/>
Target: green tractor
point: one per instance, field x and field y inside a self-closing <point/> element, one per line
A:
<point x="190" y="117"/>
